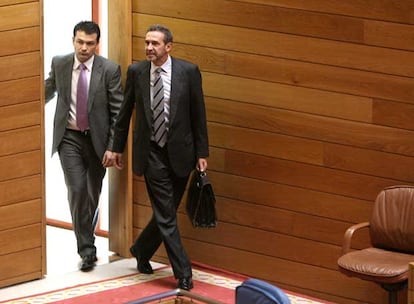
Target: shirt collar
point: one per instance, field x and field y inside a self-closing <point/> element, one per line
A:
<point x="166" y="67"/>
<point x="88" y="63"/>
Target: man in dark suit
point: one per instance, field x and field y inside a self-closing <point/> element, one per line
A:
<point x="83" y="137"/>
<point x="168" y="144"/>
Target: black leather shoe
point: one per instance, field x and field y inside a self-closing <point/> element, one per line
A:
<point x="185" y="283"/>
<point x="88" y="262"/>
<point x="143" y="266"/>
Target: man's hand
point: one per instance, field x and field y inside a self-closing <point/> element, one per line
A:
<point x="112" y="159"/>
<point x="202" y="164"/>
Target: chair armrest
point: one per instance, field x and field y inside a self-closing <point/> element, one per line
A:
<point x="346" y="246"/>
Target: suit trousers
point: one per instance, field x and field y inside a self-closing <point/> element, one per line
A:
<point x="165" y="191"/>
<point x="83" y="172"/>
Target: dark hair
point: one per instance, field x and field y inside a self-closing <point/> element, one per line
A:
<point x="89" y="27"/>
<point x="168" y="37"/>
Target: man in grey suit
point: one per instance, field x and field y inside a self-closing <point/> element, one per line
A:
<point x="84" y="136"/>
<point x="168" y="144"/>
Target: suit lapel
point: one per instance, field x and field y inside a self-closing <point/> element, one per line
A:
<point x="145" y="85"/>
<point x="67" y="69"/>
<point x="176" y="79"/>
<point x="96" y="76"/>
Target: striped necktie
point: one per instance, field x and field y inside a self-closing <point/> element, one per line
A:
<point x="159" y="124"/>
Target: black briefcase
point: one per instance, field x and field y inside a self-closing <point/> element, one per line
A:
<point x="201" y="202"/>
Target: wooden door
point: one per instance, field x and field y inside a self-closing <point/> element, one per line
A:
<point x="22" y="225"/>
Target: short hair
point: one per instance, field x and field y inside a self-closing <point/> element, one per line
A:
<point x="89" y="27"/>
<point x="168" y="37"/>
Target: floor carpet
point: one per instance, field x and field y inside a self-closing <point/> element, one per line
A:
<point x="208" y="283"/>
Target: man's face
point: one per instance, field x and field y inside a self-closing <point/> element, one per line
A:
<point x="155" y="48"/>
<point x="85" y="45"/>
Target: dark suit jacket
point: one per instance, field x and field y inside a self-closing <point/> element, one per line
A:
<point x="104" y="99"/>
<point x="187" y="136"/>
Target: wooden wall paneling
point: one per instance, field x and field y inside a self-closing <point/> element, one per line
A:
<point x="19" y="41"/>
<point x="279" y="245"/>
<point x="266" y="143"/>
<point x="393" y="114"/>
<point x="42" y="151"/>
<point x="140" y="195"/>
<point x="298" y="199"/>
<point x="262" y="217"/>
<point x="22" y="229"/>
<point x="303" y="175"/>
<point x="19" y="16"/>
<point x="272" y="18"/>
<point x="11" y="215"/>
<point x="311" y="126"/>
<point x="295" y="224"/>
<point x="20" y="165"/>
<point x="30" y="237"/>
<point x="24" y="65"/>
<point x="396" y="62"/>
<point x="288" y="97"/>
<point x="357" y="83"/>
<point x="20" y="116"/>
<point x="19" y="91"/>
<point x="365" y="161"/>
<point x="22" y="265"/>
<point x="392" y="10"/>
<point x="285" y="20"/>
<point x="285" y="272"/>
<point x="386" y="34"/>
<point x="324" y="77"/>
<point x="22" y="189"/>
<point x="20" y="140"/>
<point x="270" y="243"/>
<point x="10" y="2"/>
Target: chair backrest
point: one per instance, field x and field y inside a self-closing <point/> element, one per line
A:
<point x="254" y="291"/>
<point x="392" y="221"/>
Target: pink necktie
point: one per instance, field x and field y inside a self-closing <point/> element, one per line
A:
<point x="82" y="100"/>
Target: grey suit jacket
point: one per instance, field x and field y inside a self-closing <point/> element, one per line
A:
<point x="187" y="135"/>
<point x="104" y="99"/>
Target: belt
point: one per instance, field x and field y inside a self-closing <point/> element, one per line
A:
<point x="84" y="133"/>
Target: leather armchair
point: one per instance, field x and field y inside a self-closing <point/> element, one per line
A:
<point x="391" y="231"/>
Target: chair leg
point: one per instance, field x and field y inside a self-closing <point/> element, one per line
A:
<point x="392" y="297"/>
<point x="393" y="291"/>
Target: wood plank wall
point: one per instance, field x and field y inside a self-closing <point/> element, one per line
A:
<point x="310" y="114"/>
<point x="22" y="254"/>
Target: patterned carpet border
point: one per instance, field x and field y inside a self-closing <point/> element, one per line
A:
<point x="124" y="281"/>
<point x="128" y="280"/>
